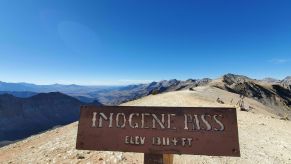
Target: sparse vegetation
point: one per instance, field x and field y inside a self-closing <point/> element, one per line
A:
<point x="155" y="92"/>
<point x="285" y="117"/>
<point x="219" y="101"/>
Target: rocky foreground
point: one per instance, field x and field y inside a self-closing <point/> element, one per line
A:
<point x="264" y="137"/>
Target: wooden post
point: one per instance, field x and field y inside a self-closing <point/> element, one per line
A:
<point x="158" y="158"/>
<point x="168" y="158"/>
<point x="153" y="158"/>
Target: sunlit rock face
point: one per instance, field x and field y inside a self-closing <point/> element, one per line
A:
<point x="286" y="82"/>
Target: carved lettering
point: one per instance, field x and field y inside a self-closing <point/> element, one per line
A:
<point x="94" y="119"/>
<point x="189" y="141"/>
<point x="187" y="119"/>
<point x="118" y="121"/>
<point x="160" y="122"/>
<point x="219" y="123"/>
<point x="197" y="123"/>
<point x="143" y="115"/>
<point x="142" y="139"/>
<point x="126" y="140"/>
<point x="102" y="116"/>
<point x="135" y="125"/>
<point x="110" y="120"/>
<point x="134" y="140"/>
<point x="208" y="127"/>
<point x="169" y="120"/>
<point x="192" y="122"/>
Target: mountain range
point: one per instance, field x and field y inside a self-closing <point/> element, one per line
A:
<point x="26" y="109"/>
<point x="114" y="95"/>
<point x="276" y="94"/>
<point x="68" y="89"/>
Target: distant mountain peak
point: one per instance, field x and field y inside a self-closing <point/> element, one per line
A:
<point x="233" y="78"/>
<point x="286" y="82"/>
<point x="270" y="80"/>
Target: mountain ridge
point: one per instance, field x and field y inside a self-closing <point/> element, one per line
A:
<point x="22" y="117"/>
<point x="274" y="93"/>
<point x="72" y="88"/>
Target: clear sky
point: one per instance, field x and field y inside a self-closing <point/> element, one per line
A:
<point x="117" y="42"/>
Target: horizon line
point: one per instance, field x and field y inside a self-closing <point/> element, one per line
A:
<point x="127" y="82"/>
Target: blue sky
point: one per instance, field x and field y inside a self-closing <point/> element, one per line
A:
<point x="119" y="42"/>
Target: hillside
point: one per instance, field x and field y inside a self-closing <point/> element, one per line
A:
<point x="264" y="137"/>
<point x="275" y="94"/>
<point x="132" y="92"/>
<point x="22" y="117"/>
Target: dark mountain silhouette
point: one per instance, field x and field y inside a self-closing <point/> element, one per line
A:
<point x="24" y="94"/>
<point x="22" y="117"/>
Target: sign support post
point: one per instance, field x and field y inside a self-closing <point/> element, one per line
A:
<point x="153" y="158"/>
<point x="158" y="158"/>
<point x="168" y="158"/>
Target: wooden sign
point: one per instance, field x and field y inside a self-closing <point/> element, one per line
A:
<point x="159" y="130"/>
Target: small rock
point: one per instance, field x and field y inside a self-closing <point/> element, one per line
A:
<point x="219" y="101"/>
<point x="100" y="159"/>
<point x="284" y="118"/>
<point x="79" y="156"/>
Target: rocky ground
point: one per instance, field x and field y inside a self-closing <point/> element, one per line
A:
<point x="264" y="137"/>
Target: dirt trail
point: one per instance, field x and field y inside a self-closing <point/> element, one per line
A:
<point x="264" y="138"/>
